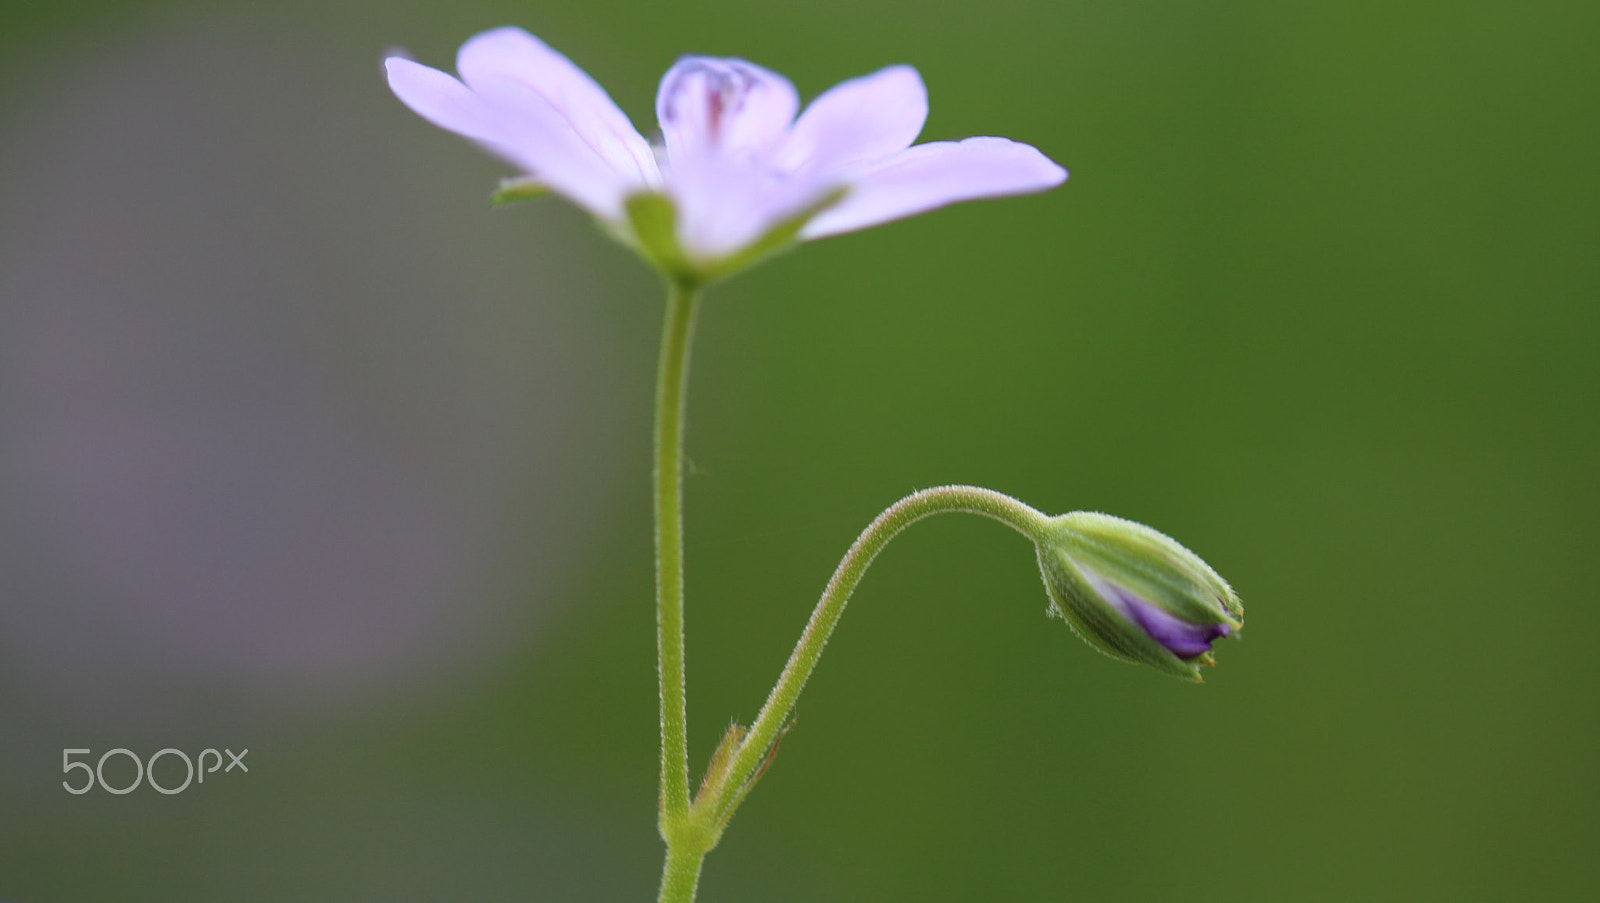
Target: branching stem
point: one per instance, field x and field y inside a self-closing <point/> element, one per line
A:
<point x="691" y="830"/>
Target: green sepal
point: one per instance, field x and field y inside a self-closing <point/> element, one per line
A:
<point x="522" y="188"/>
<point x="653" y="220"/>
<point x="778" y="239"/>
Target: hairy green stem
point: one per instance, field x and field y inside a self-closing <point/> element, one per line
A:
<point x="681" y="874"/>
<point x="676" y="335"/>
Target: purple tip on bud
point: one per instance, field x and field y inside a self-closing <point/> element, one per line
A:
<point x="1185" y="640"/>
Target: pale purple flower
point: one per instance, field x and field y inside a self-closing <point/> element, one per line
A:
<point x="737" y="163"/>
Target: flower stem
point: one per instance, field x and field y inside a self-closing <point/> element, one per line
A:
<point x="757" y="744"/>
<point x="681" y="874"/>
<point x="671" y="376"/>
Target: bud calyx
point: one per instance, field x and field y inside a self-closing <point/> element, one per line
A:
<point x="1135" y="593"/>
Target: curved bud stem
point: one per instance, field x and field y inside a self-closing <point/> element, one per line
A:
<point x="716" y="803"/>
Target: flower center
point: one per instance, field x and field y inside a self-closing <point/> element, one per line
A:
<point x="704" y="95"/>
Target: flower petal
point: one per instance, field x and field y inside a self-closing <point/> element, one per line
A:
<point x="708" y="106"/>
<point x="516" y="123"/>
<point x="440" y="99"/>
<point x="1181" y="638"/>
<point x="859" y="121"/>
<point x="535" y="136"/>
<point x="512" y="55"/>
<point x="929" y="176"/>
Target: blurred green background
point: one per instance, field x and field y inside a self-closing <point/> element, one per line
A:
<point x="1319" y="300"/>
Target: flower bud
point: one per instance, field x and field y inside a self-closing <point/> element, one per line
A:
<point x="1135" y="593"/>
